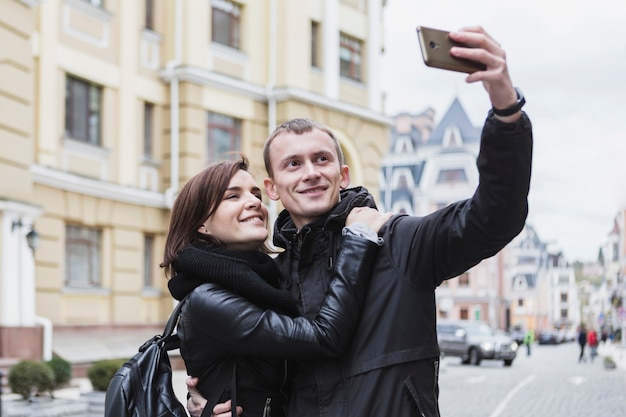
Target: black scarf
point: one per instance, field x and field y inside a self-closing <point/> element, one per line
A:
<point x="251" y="274"/>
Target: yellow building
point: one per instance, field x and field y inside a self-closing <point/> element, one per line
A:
<point x="108" y="106"/>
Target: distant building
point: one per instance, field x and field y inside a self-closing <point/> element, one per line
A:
<point x="541" y="285"/>
<point x="428" y="167"/>
<point x="613" y="312"/>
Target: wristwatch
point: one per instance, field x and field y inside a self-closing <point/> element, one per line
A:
<point x="514" y="108"/>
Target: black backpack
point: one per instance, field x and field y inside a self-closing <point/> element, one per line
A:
<point x="142" y="387"/>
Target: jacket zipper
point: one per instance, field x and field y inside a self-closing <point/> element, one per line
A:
<point x="267" y="410"/>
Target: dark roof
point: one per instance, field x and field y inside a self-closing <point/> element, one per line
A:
<point x="455" y="116"/>
<point x="531" y="279"/>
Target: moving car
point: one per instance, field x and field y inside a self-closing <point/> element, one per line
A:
<point x="474" y="341"/>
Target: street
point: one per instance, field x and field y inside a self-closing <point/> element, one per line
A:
<point x="549" y="383"/>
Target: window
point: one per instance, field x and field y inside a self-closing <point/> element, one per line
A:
<point x="224" y="136"/>
<point x="464" y="280"/>
<point x="225" y="22"/>
<point x="82" y="110"/>
<point x="350" y="57"/>
<point x="564" y="297"/>
<point x="82" y="257"/>
<point x="520" y="302"/>
<point x="96" y="3"/>
<point x="148" y="120"/>
<point x="451" y="176"/>
<point x="526" y="260"/>
<point x="315" y="44"/>
<point x="464" y="314"/>
<point x="403" y="184"/>
<point x="564" y="313"/>
<point x="148" y="261"/>
<point x="149" y="14"/>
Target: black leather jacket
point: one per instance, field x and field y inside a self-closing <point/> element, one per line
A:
<point x="218" y="327"/>
<point x="391" y="368"/>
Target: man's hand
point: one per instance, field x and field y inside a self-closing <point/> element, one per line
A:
<point x="196" y="402"/>
<point x="371" y="217"/>
<point x="495" y="78"/>
<point x="223" y="410"/>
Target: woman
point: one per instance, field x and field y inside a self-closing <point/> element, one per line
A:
<point x="234" y="314"/>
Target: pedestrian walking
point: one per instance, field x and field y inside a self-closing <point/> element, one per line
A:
<point x="592" y="341"/>
<point x="529" y="339"/>
<point x="582" y="342"/>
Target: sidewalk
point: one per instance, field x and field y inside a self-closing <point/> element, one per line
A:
<point x="616" y="351"/>
<point x="82" y="385"/>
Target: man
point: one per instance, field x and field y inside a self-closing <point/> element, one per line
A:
<point x="529" y="339"/>
<point x="392" y="366"/>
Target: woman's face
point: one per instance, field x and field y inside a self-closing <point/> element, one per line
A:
<point x="240" y="221"/>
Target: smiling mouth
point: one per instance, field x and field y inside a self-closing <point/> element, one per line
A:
<point x="313" y="190"/>
<point x="253" y="219"/>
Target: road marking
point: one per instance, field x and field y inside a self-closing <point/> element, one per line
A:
<point x="500" y="408"/>
<point x="578" y="380"/>
<point x="476" y="379"/>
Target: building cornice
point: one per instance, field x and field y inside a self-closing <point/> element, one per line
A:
<point x="208" y="78"/>
<point x="95" y="188"/>
<point x="32" y="3"/>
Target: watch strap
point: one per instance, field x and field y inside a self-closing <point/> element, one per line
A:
<point x="521" y="100"/>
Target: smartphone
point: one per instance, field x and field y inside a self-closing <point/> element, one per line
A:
<point x="435" y="45"/>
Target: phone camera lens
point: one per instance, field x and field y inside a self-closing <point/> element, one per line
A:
<point x="432" y="44"/>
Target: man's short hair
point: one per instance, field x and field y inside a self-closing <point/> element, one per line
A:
<point x="298" y="126"/>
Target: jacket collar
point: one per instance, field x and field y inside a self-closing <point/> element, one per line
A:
<point x="285" y="230"/>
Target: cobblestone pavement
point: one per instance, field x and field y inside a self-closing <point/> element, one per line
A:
<point x="549" y="383"/>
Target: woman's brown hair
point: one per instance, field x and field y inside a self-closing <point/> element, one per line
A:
<point x="197" y="201"/>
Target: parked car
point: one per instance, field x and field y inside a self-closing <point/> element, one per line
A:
<point x="518" y="333"/>
<point x="474" y="341"/>
<point x="549" y="337"/>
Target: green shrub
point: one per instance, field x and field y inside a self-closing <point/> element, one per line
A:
<point x="101" y="372"/>
<point x="62" y="370"/>
<point x="30" y="377"/>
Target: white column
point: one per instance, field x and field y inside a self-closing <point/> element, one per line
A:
<point x="374" y="58"/>
<point x="17" y="266"/>
<point x="331" y="48"/>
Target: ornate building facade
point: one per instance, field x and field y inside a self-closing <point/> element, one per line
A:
<point x="430" y="165"/>
<point x="109" y="106"/>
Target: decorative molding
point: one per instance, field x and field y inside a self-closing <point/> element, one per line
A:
<point x="150" y="56"/>
<point x="86" y="186"/>
<point x="203" y="76"/>
<point x="32" y="3"/>
<point x="91" y="11"/>
<point x="229" y="54"/>
<point x="85" y="150"/>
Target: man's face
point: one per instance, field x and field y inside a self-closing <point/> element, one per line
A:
<point x="307" y="175"/>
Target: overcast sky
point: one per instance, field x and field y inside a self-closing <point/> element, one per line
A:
<point x="569" y="59"/>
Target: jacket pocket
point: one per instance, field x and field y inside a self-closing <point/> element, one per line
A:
<point x="423" y="393"/>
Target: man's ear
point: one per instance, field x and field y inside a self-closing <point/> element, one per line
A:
<point x="270" y="189"/>
<point x="345" y="177"/>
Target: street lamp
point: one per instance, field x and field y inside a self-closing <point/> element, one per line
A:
<point x="32" y="237"/>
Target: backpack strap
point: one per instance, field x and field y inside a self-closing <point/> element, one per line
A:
<point x="171" y="342"/>
<point x="213" y="399"/>
<point x="173" y="320"/>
